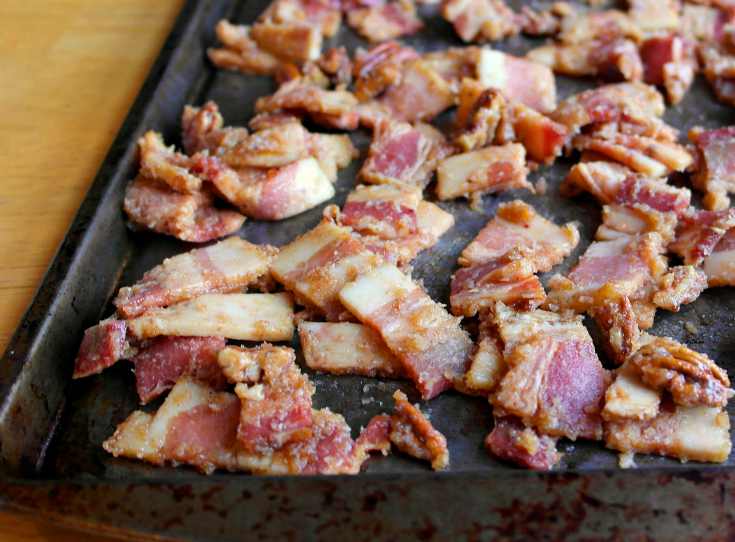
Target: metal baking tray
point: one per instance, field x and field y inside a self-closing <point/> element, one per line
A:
<point x="53" y="467"/>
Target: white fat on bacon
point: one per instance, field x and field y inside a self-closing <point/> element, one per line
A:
<point x="332" y="151"/>
<point x="630" y="398"/>
<point x="385" y="20"/>
<point x="621" y="220"/>
<point x="271" y="147"/>
<point x="202" y="129"/>
<point x="412" y="433"/>
<point x="229" y="265"/>
<point x="346" y="348"/>
<point x="653" y="16"/>
<point x="598" y="25"/>
<point x="719" y="266"/>
<point x="288" y="41"/>
<point x="428" y="341"/>
<point x="480" y="20"/>
<point x="246" y="317"/>
<point x="518" y="224"/>
<point x="488" y="364"/>
<point x="240" y="53"/>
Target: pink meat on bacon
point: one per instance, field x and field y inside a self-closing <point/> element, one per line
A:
<point x="102" y="346"/>
<point x="396" y="221"/>
<point x="657" y="195"/>
<point x="698" y="232"/>
<point x="513" y="441"/>
<point x="165" y="359"/>
<point x="376" y="436"/>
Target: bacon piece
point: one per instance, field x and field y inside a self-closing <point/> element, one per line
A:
<point x="413" y="434"/>
<point x="271" y="147"/>
<point x="454" y="64"/>
<point x="190" y="217"/>
<point x="518" y="224"/>
<point x="680" y="285"/>
<point x="720" y="264"/>
<point x="607" y="271"/>
<point x="319" y="263"/>
<point x="201" y="128"/>
<point x="163" y="164"/>
<point x="290" y="42"/>
<point x="387" y="211"/>
<point x="103" y="345"/>
<point x="160" y="363"/>
<point x="512" y="441"/>
<point x="245" y="317"/>
<point x="669" y="62"/>
<point x="509" y="279"/>
<point x="375" y="437"/>
<point x="698" y="232"/>
<point x="240" y="53"/>
<point x="228" y="266"/>
<point x="704" y="23"/>
<point x="270" y="194"/>
<point x="598" y="25"/>
<point x="618" y="325"/>
<point x="614" y="59"/>
<point x="422" y="94"/>
<point x="654" y="15"/>
<point x="714" y="166"/>
<point x="555" y="378"/>
<point x="378" y="67"/>
<point x="385" y="20"/>
<point x="346" y="348"/>
<point x="335" y="63"/>
<point x="544" y="23"/>
<point x="332" y="151"/>
<point x="330" y="108"/>
<point x="719" y="68"/>
<point x="488" y="364"/>
<point x="629" y="398"/>
<point x="487" y="171"/>
<point x="323" y="14"/>
<point x="400" y="154"/>
<point x="621" y="220"/>
<point x="428" y="341"/>
<point x="480" y="20"/>
<point x="697" y="433"/>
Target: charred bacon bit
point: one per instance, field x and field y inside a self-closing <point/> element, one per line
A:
<point x="190" y="217"/>
<point x="621" y="220"/>
<point x="669" y="62"/>
<point x="720" y="264"/>
<point x="289" y="42"/>
<point x="386" y="20"/>
<point x="487" y="171"/>
<point x="245" y="317"/>
<point x="682" y="284"/>
<point x="488" y="364"/>
<point x="598" y="25"/>
<point x="378" y="67"/>
<point x="698" y="232"/>
<point x="103" y="345"/>
<point x="346" y="348"/>
<point x="271" y="147"/>
<point x="629" y="398"/>
<point x="319" y="263"/>
<point x="428" y="341"/>
<point x="688" y="433"/>
<point x="159" y="364"/>
<point x="481" y="20"/>
<point x="555" y="378"/>
<point x="163" y="164"/>
<point x="413" y="434"/>
<point x="225" y="267"/>
<point x="387" y="211"/>
<point x="512" y="441"/>
<point x="715" y="165"/>
<point x="518" y="224"/>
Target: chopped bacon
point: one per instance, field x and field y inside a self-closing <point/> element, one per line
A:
<point x="698" y="232"/>
<point x="481" y="20"/>
<point x="718" y="64"/>
<point x="413" y="434"/>
<point x="714" y="165"/>
<point x="624" y="220"/>
<point x="387" y="211"/>
<point x="245" y="317"/>
<point x="486" y="171"/>
<point x="512" y="441"/>
<point x="428" y="341"/>
<point x="385" y="20"/>
<point x="296" y="41"/>
<point x="598" y="25"/>
<point x="191" y="217"/>
<point x="319" y="263"/>
<point x="555" y="378"/>
<point x="618" y="325"/>
<point x="541" y="23"/>
<point x="630" y="398"/>
<point x="160" y="363"/>
<point x="332" y="151"/>
<point x="654" y="15"/>
<point x="103" y="345"/>
<point x="225" y="267"/>
<point x="199" y="125"/>
<point x="454" y="64"/>
<point x="323" y="14"/>
<point x="678" y="286"/>
<point x="378" y="67"/>
<point x="669" y="62"/>
<point x="704" y="23"/>
<point x="609" y="270"/>
<point x="720" y="264"/>
<point x="271" y="147"/>
<point x="345" y="348"/>
<point x="518" y="224"/>
<point x="375" y="437"/>
<point x="161" y="163"/>
<point x="330" y="108"/>
<point x="422" y="94"/>
<point x="488" y="364"/>
<point x="335" y="63"/>
<point x="240" y="53"/>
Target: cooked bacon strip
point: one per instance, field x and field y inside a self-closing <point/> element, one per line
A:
<point x="555" y="379"/>
<point x="488" y="364"/>
<point x="621" y="220"/>
<point x="163" y="164"/>
<point x="290" y="42"/>
<point x="518" y="224"/>
<point x="245" y="317"/>
<point x="240" y="53"/>
<point x="385" y="20"/>
<point x="618" y="325"/>
<point x="378" y="67"/>
<point x="629" y="398"/>
<point x="614" y="59"/>
<point x="607" y="271"/>
<point x="487" y="171"/>
<point x="269" y="194"/>
<point x="698" y="232"/>
<point x="680" y="285"/>
<point x="324" y="14"/>
<point x="346" y="348"/>
<point x="387" y="211"/>
<point x="190" y="217"/>
<point x="714" y="166"/>
<point x="512" y="441"/>
<point x="428" y="341"/>
<point x="330" y="108"/>
<point x="697" y="433"/>
<point x="598" y="25"/>
<point x="161" y="362"/>
<point x="228" y="266"/>
<point x="319" y="263"/>
<point x="271" y="147"/>
<point x="332" y="151"/>
<point x="413" y="434"/>
<point x="720" y="264"/>
<point x="669" y="62"/>
<point x="654" y="15"/>
<point x="103" y="345"/>
<point x="481" y="20"/>
<point x="422" y="94"/>
<point x="399" y="154"/>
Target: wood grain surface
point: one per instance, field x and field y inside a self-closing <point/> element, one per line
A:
<point x="70" y="71"/>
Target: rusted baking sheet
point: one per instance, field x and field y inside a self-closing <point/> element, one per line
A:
<point x="52" y="465"/>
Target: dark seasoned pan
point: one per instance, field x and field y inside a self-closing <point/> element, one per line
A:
<point x="51" y="429"/>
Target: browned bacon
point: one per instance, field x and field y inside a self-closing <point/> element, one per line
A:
<point x="385" y="20"/>
<point x="625" y="219"/>
<point x="669" y="62"/>
<point x="720" y="264"/>
<point x="375" y="437"/>
<point x="413" y="434"/>
<point x="654" y="15"/>
<point x="270" y="147"/>
<point x="481" y="20"/>
<point x="428" y="341"/>
<point x="518" y="224"/>
<point x="323" y="14"/>
<point x="488" y="364"/>
<point x="288" y="41"/>
<point x="555" y="379"/>
<point x="103" y="345"/>
<point x="378" y="67"/>
<point x="630" y="398"/>
<point x="335" y="63"/>
<point x="454" y="64"/>
<point x="680" y="285"/>
<point x="162" y="163"/>
<point x="227" y="266"/>
<point x="332" y="151"/>
<point x="543" y="23"/>
<point x="240" y="53"/>
<point x="618" y="324"/>
<point x="715" y="165"/>
<point x="698" y="232"/>
<point x="162" y="361"/>
<point x="704" y="22"/>
<point x="598" y="25"/>
<point x="512" y="441"/>
<point x="190" y="217"/>
<point x="421" y="94"/>
<point x="387" y="211"/>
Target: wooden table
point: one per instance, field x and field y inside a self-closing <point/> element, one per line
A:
<point x="70" y="71"/>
